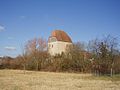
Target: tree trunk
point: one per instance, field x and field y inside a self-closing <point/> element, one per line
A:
<point x="37" y="68"/>
<point x="24" y="68"/>
<point x="111" y="72"/>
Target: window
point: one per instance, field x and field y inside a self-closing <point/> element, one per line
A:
<point x="49" y="45"/>
<point x="53" y="39"/>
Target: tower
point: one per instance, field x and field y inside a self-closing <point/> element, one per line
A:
<point x="58" y="42"/>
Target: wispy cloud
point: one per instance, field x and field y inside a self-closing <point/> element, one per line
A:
<point x="1" y="55"/>
<point x="9" y="48"/>
<point x="10" y="38"/>
<point x="22" y="17"/>
<point x="2" y="28"/>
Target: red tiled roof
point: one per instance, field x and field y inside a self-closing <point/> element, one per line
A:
<point x="61" y="36"/>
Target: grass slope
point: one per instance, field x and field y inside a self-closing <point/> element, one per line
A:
<point x="32" y="80"/>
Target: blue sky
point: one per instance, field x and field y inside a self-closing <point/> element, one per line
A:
<point x="83" y="20"/>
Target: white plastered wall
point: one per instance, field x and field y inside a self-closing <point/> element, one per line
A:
<point x="57" y="47"/>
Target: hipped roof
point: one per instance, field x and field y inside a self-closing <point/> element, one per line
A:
<point x="61" y="36"/>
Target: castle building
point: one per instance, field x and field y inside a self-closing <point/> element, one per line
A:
<point x="58" y="42"/>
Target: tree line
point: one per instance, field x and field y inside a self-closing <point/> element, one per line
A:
<point x="99" y="56"/>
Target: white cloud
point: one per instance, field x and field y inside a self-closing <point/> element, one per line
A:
<point x="2" y="28"/>
<point x="9" y="48"/>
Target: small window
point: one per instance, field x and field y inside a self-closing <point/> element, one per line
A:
<point x="53" y="39"/>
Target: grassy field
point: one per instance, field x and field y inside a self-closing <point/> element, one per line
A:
<point x="32" y="80"/>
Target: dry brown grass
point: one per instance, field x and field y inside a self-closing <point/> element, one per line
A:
<point x="32" y="80"/>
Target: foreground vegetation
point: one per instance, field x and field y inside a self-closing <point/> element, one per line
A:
<point x="32" y="80"/>
<point x="99" y="56"/>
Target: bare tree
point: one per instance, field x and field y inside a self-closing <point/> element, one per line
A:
<point x="24" y="58"/>
<point x="36" y="49"/>
<point x="104" y="54"/>
<point x="77" y="57"/>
